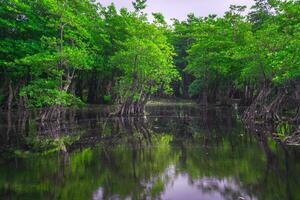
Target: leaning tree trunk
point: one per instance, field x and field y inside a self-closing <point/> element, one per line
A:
<point x="51" y="113"/>
<point x="273" y="109"/>
<point x="247" y="96"/>
<point x="296" y="118"/>
<point x="131" y="107"/>
<point x="266" y="106"/>
<point x="255" y="110"/>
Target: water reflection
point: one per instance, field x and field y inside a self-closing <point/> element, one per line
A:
<point x="173" y="153"/>
<point x="210" y="188"/>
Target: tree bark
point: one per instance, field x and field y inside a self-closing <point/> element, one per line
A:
<point x="10" y="96"/>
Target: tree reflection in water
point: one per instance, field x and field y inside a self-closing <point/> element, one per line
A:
<point x="173" y="153"/>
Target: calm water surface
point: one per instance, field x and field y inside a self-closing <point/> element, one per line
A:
<point x="175" y="152"/>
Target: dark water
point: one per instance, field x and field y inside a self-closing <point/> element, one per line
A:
<point x="176" y="152"/>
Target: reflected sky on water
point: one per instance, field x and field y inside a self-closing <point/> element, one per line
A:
<point x="176" y="152"/>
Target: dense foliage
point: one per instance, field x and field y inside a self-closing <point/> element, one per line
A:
<point x="64" y="53"/>
<point x="252" y="58"/>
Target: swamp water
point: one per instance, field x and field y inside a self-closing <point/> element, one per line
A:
<point x="175" y="152"/>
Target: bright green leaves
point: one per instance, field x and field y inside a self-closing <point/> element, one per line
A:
<point x="77" y="58"/>
<point x="139" y="5"/>
<point x="232" y="51"/>
<point x="47" y="43"/>
<point x="145" y="63"/>
<point x="212" y="59"/>
<point x="159" y="19"/>
<point x="274" y="48"/>
<point x="49" y="46"/>
<point x="45" y="93"/>
<point x="53" y="50"/>
<point x="286" y="60"/>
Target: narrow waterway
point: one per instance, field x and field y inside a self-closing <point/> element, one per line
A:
<point x="175" y="152"/>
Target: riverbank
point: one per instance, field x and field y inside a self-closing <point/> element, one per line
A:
<point x="170" y="102"/>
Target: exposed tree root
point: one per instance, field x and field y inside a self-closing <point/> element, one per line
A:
<point x="294" y="139"/>
<point x="296" y="118"/>
<point x="267" y="106"/>
<point x="130" y="107"/>
<point x="50" y="114"/>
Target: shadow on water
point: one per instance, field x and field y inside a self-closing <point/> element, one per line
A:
<point x="175" y="152"/>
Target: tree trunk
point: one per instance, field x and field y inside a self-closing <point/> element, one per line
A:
<point x="50" y="114"/>
<point x="205" y="98"/>
<point x="296" y="118"/>
<point x="10" y="96"/>
<point x="91" y="98"/>
<point x="255" y="110"/>
<point x="266" y="106"/>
